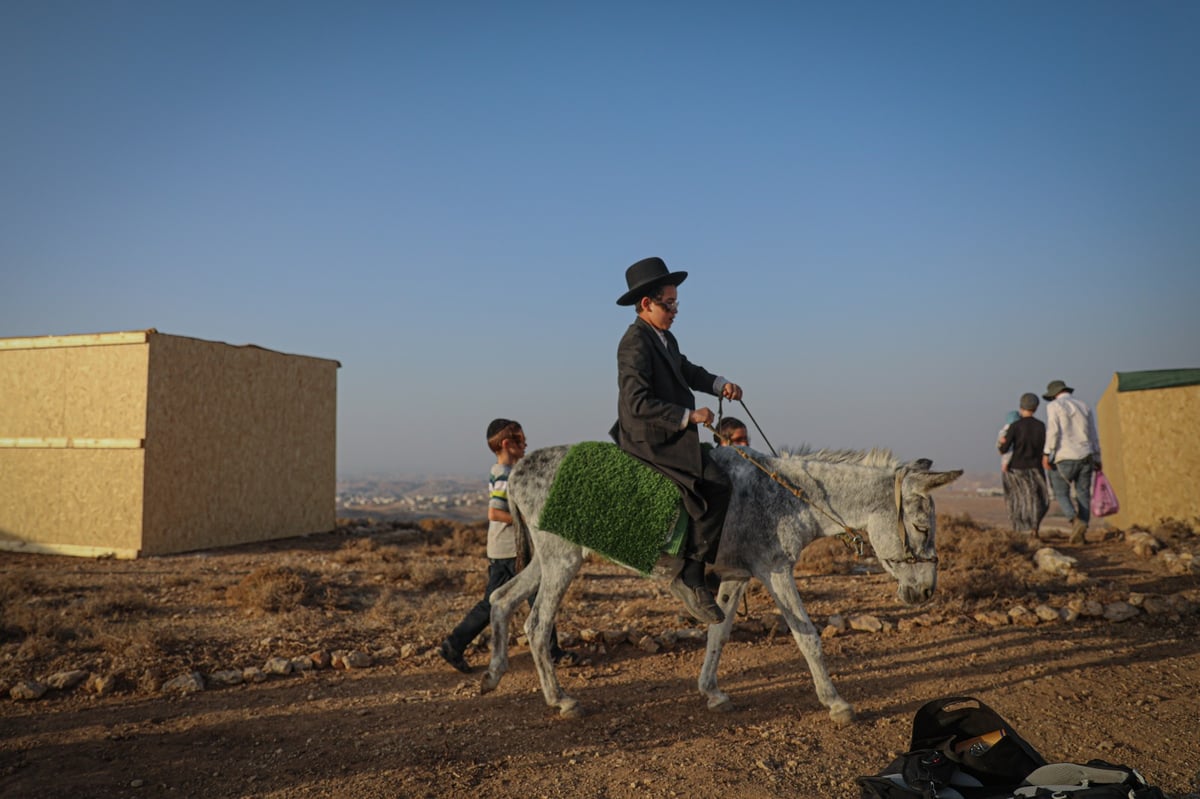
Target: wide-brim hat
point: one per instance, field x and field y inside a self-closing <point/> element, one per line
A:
<point x="1055" y="388"/>
<point x="646" y="274"/>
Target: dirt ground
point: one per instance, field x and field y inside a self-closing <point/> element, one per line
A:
<point x="406" y="725"/>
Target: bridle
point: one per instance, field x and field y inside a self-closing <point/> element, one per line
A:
<point x="909" y="555"/>
<point x="853" y="538"/>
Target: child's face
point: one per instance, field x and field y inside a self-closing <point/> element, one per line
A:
<point x="514" y="446"/>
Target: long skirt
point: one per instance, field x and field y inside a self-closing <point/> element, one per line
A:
<point x="1027" y="498"/>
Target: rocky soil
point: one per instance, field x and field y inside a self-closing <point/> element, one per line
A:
<point x="308" y="668"/>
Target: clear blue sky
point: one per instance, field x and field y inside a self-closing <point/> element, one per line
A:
<point x="897" y="216"/>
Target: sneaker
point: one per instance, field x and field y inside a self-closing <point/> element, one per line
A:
<point x="698" y="600"/>
<point x="455" y="659"/>
<point x="1078" y="532"/>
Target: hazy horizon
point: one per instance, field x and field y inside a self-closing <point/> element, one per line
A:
<point x="897" y="218"/>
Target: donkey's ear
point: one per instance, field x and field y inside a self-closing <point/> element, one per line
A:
<point x="924" y="482"/>
<point x="921" y="465"/>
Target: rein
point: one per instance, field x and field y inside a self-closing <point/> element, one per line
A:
<point x="852" y="538"/>
<point x="848" y="536"/>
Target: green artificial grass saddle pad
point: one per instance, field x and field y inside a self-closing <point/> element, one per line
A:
<point x="616" y="505"/>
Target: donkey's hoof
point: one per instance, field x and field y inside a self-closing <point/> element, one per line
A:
<point x="571" y="710"/>
<point x="842" y="715"/>
<point x="488" y="683"/>
<point x="720" y="704"/>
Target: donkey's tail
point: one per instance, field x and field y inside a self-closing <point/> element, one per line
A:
<point x="521" y="531"/>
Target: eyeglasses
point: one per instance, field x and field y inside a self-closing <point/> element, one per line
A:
<point x="670" y="306"/>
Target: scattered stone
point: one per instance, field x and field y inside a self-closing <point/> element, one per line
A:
<point x="647" y="644"/>
<point x="748" y="627"/>
<point x="136" y="783"/>
<point x="615" y="637"/>
<point x="254" y="674"/>
<point x="667" y="639"/>
<point x="1119" y="611"/>
<point x="278" y="665"/>
<point x="992" y="618"/>
<point x="66" y="680"/>
<point x="409" y="650"/>
<point x="1143" y="543"/>
<point x="227" y="677"/>
<point x="1086" y="607"/>
<point x="837" y="621"/>
<point x="101" y="684"/>
<point x="1051" y="561"/>
<point x="692" y="634"/>
<point x="829" y="631"/>
<point x="1047" y="613"/>
<point x="865" y="622"/>
<point x="1019" y="614"/>
<point x="321" y="658"/>
<point x="185" y="683"/>
<point x="388" y="652"/>
<point x="1178" y="563"/>
<point x="302" y="664"/>
<point x="353" y="659"/>
<point x="27" y="690"/>
<point x="151" y="681"/>
<point x="1154" y="605"/>
<point x="589" y="636"/>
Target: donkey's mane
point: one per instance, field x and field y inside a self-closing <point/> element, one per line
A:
<point x="874" y="457"/>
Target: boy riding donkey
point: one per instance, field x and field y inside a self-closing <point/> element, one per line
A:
<point x="657" y="419"/>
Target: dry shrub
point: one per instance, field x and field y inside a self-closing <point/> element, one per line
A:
<point x="981" y="583"/>
<point x="19" y="585"/>
<point x="1173" y="532"/>
<point x="425" y="573"/>
<point x="354" y="550"/>
<point x="272" y="589"/>
<point x="116" y="603"/>
<point x="827" y="556"/>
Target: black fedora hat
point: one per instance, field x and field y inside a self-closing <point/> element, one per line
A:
<point x="645" y="275"/>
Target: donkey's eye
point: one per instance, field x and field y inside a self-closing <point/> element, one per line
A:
<point x="921" y="530"/>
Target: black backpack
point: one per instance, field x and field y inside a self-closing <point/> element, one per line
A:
<point x="962" y="749"/>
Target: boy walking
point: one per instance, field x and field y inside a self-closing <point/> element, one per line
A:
<point x="507" y="440"/>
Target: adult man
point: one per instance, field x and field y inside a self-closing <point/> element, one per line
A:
<point x="1071" y="454"/>
<point x="657" y="419"/>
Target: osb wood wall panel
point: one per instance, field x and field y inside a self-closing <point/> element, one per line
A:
<point x="1160" y="430"/>
<point x="74" y="391"/>
<point x="1112" y="448"/>
<point x="240" y="445"/>
<point x="86" y="498"/>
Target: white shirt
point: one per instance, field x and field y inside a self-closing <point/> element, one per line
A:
<point x="1070" y="430"/>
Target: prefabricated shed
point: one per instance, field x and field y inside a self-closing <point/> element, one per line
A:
<point x="141" y="443"/>
<point x="1149" y="424"/>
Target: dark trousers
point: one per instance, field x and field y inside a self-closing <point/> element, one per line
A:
<point x="704" y="533"/>
<point x="500" y="571"/>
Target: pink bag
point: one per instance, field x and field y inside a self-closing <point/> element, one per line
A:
<point x="1104" y="499"/>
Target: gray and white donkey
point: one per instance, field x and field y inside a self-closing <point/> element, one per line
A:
<point x="766" y="528"/>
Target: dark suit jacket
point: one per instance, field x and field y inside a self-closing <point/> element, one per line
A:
<point x="656" y="385"/>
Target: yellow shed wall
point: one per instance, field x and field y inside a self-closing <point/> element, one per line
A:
<point x="1157" y="447"/>
<point x="240" y="445"/>
<point x="53" y="495"/>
